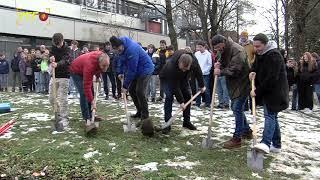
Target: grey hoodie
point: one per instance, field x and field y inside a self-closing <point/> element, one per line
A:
<point x="270" y="45"/>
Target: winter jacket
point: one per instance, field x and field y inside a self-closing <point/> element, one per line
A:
<point x="74" y="54"/>
<point x="205" y="61"/>
<point x="317" y="75"/>
<point x="291" y="76"/>
<point x="134" y="61"/>
<point x="305" y="76"/>
<point x="23" y="67"/>
<point x="157" y="63"/>
<point x="63" y="58"/>
<point x="15" y="62"/>
<point x="235" y="68"/>
<point x="163" y="55"/>
<point x="4" y="66"/>
<point x="87" y="66"/>
<point x="111" y="54"/>
<point x="35" y="63"/>
<point x="171" y="74"/>
<point x="271" y="79"/>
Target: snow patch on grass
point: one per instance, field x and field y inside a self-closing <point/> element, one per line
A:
<point x="152" y="166"/>
<point x="181" y="164"/>
<point x="7" y="135"/>
<point x="36" y="116"/>
<point x="90" y="154"/>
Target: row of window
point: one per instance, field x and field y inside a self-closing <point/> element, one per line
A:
<point x="118" y="6"/>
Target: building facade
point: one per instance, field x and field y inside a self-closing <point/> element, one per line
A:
<point x="30" y="23"/>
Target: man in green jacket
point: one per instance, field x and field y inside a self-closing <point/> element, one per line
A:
<point x="234" y="66"/>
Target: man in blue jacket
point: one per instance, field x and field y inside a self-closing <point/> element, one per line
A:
<point x="136" y="67"/>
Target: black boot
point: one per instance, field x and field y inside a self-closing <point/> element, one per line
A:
<point x="189" y="126"/>
<point x="135" y="116"/>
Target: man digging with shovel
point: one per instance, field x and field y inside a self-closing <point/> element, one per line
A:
<point x="233" y="65"/>
<point x="175" y="75"/>
<point x="82" y="70"/>
<point x="272" y="90"/>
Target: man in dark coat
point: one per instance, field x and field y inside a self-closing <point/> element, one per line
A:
<point x="109" y="73"/>
<point x="272" y="90"/>
<point x="16" y="79"/>
<point x="234" y="66"/>
<point x="175" y="75"/>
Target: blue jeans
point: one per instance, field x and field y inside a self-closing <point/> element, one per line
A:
<point x="112" y="79"/>
<point x="44" y="81"/>
<point x="207" y="97"/>
<point x="238" y="106"/>
<point x="317" y="90"/>
<point x="186" y="92"/>
<point x="271" y="132"/>
<point x="295" y="97"/>
<point x="37" y="81"/>
<point x="72" y="88"/>
<point x="152" y="87"/>
<point x="222" y="91"/>
<point x="84" y="104"/>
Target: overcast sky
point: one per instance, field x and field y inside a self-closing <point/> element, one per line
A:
<point x="262" y="25"/>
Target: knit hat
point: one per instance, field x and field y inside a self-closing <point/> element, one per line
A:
<point x="244" y="33"/>
<point x="262" y="38"/>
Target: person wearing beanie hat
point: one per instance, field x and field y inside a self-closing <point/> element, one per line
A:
<point x="135" y="68"/>
<point x="234" y="66"/>
<point x="271" y="91"/>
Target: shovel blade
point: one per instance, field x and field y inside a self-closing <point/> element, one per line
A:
<point x="255" y="160"/>
<point x="91" y="127"/>
<point x="207" y="143"/>
<point x="129" y="128"/>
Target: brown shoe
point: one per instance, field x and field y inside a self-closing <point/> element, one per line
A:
<point x="232" y="143"/>
<point x="247" y="135"/>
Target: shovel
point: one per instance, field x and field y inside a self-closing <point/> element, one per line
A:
<point x="129" y="127"/>
<point x="172" y="119"/>
<point x="93" y="124"/>
<point x="254" y="157"/>
<point x="58" y="126"/>
<point x="207" y="142"/>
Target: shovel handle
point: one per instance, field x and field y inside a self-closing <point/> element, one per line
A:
<point x="213" y="98"/>
<point x="95" y="93"/>
<point x="254" y="113"/>
<point x="171" y="120"/>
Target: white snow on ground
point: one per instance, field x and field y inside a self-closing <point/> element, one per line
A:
<point x="32" y="129"/>
<point x="152" y="166"/>
<point x="7" y="135"/>
<point x="36" y="116"/>
<point x="90" y="154"/>
<point x="181" y="164"/>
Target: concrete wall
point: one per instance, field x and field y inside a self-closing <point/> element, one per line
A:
<point x="73" y="29"/>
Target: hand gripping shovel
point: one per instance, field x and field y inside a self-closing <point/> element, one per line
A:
<point x="129" y="127"/>
<point x="172" y="119"/>
<point x="93" y="125"/>
<point x="254" y="157"/>
<point x="207" y="142"/>
<point x="57" y="125"/>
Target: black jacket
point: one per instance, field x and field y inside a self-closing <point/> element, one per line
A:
<point x="15" y="62"/>
<point x="306" y="77"/>
<point x="111" y="55"/>
<point x="291" y="76"/>
<point x="63" y="59"/>
<point x="157" y="63"/>
<point x="35" y="63"/>
<point x="271" y="81"/>
<point x="171" y="74"/>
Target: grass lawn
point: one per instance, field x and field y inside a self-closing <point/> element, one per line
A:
<point x="30" y="146"/>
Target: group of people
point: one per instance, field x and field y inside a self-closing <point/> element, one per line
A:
<point x="181" y="73"/>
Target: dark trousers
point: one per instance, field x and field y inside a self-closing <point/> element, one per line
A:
<point x="193" y="85"/>
<point x="186" y="92"/>
<point x="112" y="79"/>
<point x="305" y="95"/>
<point x="137" y="90"/>
<point x="161" y="88"/>
<point x="118" y="81"/>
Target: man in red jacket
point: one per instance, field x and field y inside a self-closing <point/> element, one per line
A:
<point x="82" y="70"/>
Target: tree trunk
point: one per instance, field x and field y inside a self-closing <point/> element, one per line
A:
<point x="286" y="25"/>
<point x="277" y="24"/>
<point x="204" y="20"/>
<point x="213" y="18"/>
<point x="172" y="31"/>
